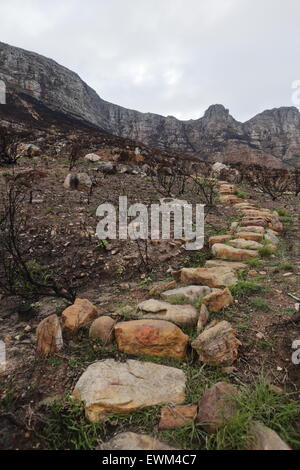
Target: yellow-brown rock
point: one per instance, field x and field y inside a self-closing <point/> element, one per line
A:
<point x="252" y="229"/>
<point x="245" y="244"/>
<point x="218" y="239"/>
<point x="221" y="263"/>
<point x="276" y="226"/>
<point x="229" y="199"/>
<point x="249" y="221"/>
<point x="227" y="189"/>
<point x="160" y="287"/>
<point x="233" y="254"/>
<point x="211" y="277"/>
<point x="81" y="313"/>
<point x="218" y="300"/>
<point x="253" y="236"/>
<point x="151" y="337"/>
<point x="49" y="336"/>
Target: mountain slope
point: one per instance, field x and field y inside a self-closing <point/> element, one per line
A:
<point x="272" y="137"/>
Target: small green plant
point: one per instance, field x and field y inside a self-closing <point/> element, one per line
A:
<point x="261" y="304"/>
<point x="37" y="272"/>
<point x="7" y="400"/>
<point x="102" y="244"/>
<point x="120" y="270"/>
<point x="198" y="259"/>
<point x="254" y="262"/>
<point x="145" y="281"/>
<point x="54" y="362"/>
<point x="286" y="267"/>
<point x="282" y="212"/>
<point x="49" y="210"/>
<point x="240" y="194"/>
<point x="265" y="252"/>
<point x="288" y="219"/>
<point x="244" y="288"/>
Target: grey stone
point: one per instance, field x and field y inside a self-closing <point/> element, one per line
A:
<point x="190" y="293"/>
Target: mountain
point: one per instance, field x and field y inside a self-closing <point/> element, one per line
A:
<point x="271" y="138"/>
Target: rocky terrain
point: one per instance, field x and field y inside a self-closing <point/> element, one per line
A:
<point x="271" y="138"/>
<point x="187" y="350"/>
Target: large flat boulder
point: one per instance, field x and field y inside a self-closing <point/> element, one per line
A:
<point x="110" y="387"/>
<point x="183" y="315"/>
<point x="151" y="337"/>
<point x="212" y="277"/>
<point x="234" y="254"/>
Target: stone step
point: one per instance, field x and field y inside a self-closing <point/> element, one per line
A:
<point x="234" y="254"/>
<point x="110" y="387"/>
<point x="188" y="294"/>
<point x="151" y="338"/>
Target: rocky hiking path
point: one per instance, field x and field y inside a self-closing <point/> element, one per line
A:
<point x="181" y="319"/>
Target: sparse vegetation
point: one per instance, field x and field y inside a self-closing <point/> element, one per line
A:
<point x="261" y="304"/>
<point x="265" y="252"/>
<point x="244" y="288"/>
<point x="254" y="262"/>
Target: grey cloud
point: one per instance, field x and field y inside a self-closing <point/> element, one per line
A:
<point x="171" y="57"/>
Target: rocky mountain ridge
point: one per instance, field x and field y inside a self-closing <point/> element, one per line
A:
<point x="272" y="137"/>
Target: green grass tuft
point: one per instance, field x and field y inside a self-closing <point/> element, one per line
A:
<point x="265" y="252"/>
<point x="254" y="262"/>
<point x="261" y="304"/>
<point x="244" y="288"/>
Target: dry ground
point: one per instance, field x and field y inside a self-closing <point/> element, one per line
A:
<point x="61" y="227"/>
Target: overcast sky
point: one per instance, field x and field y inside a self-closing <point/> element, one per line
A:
<point x="171" y="57"/>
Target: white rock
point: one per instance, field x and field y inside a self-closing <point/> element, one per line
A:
<point x="92" y="157"/>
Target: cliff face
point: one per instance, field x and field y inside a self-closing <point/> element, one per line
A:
<point x="272" y="137"/>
